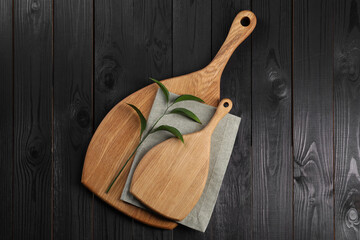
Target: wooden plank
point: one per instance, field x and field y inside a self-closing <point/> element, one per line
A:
<point x="32" y="119"/>
<point x="231" y="218"/>
<point x="346" y="118"/>
<point x="152" y="54"/>
<point x="271" y="123"/>
<point x="191" y="36"/>
<point x="73" y="117"/>
<point x="313" y="119"/>
<point x="6" y="119"/>
<point x="191" y="52"/>
<point x="110" y="223"/>
<point x="113" y="35"/>
<point x="144" y="232"/>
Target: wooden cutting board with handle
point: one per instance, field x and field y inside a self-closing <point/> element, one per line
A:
<point x="171" y="177"/>
<point x="118" y="133"/>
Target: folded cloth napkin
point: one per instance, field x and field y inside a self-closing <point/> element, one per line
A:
<point x="222" y="143"/>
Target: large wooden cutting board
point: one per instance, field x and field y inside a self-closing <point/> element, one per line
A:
<point x="118" y="133"/>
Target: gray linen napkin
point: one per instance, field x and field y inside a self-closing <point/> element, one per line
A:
<point x="222" y="143"/>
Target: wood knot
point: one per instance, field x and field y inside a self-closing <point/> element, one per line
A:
<point x="158" y="50"/>
<point x="108" y="73"/>
<point x="353" y="214"/>
<point x="278" y="84"/>
<point x="298" y="174"/>
<point x="83" y="118"/>
<point x="352" y="218"/>
<point x="347" y="64"/>
<point x="80" y="125"/>
<point x="35" y="150"/>
<point x="35" y="6"/>
<point x="275" y="77"/>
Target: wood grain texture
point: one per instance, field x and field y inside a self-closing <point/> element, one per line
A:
<point x="113" y="65"/>
<point x="271" y="121"/>
<point x="313" y="119"/>
<point x="6" y="119"/>
<point x="231" y="218"/>
<point x="191" y="51"/>
<point x="73" y="121"/>
<point x="191" y="35"/>
<point x="144" y="232"/>
<point x="111" y="141"/>
<point x="171" y="177"/>
<point x="347" y="115"/>
<point x="138" y="39"/>
<point x="32" y="119"/>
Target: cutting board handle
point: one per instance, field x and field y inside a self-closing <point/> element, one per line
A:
<point x="242" y="26"/>
<point x="223" y="108"/>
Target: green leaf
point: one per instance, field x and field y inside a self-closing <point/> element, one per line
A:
<point x="170" y="129"/>
<point x="186" y="113"/>
<point x="163" y="88"/>
<point x="188" y="97"/>
<point x="141" y="116"/>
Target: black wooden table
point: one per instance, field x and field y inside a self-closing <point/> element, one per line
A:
<point x="294" y="172"/>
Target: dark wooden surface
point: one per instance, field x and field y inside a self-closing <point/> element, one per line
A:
<point x="271" y="121"/>
<point x="313" y="120"/>
<point x="294" y="171"/>
<point x="33" y="120"/>
<point x="347" y="118"/>
<point x="72" y="117"/>
<point x="6" y="119"/>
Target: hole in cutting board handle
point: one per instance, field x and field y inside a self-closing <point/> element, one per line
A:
<point x="245" y="21"/>
<point x="226" y="104"/>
